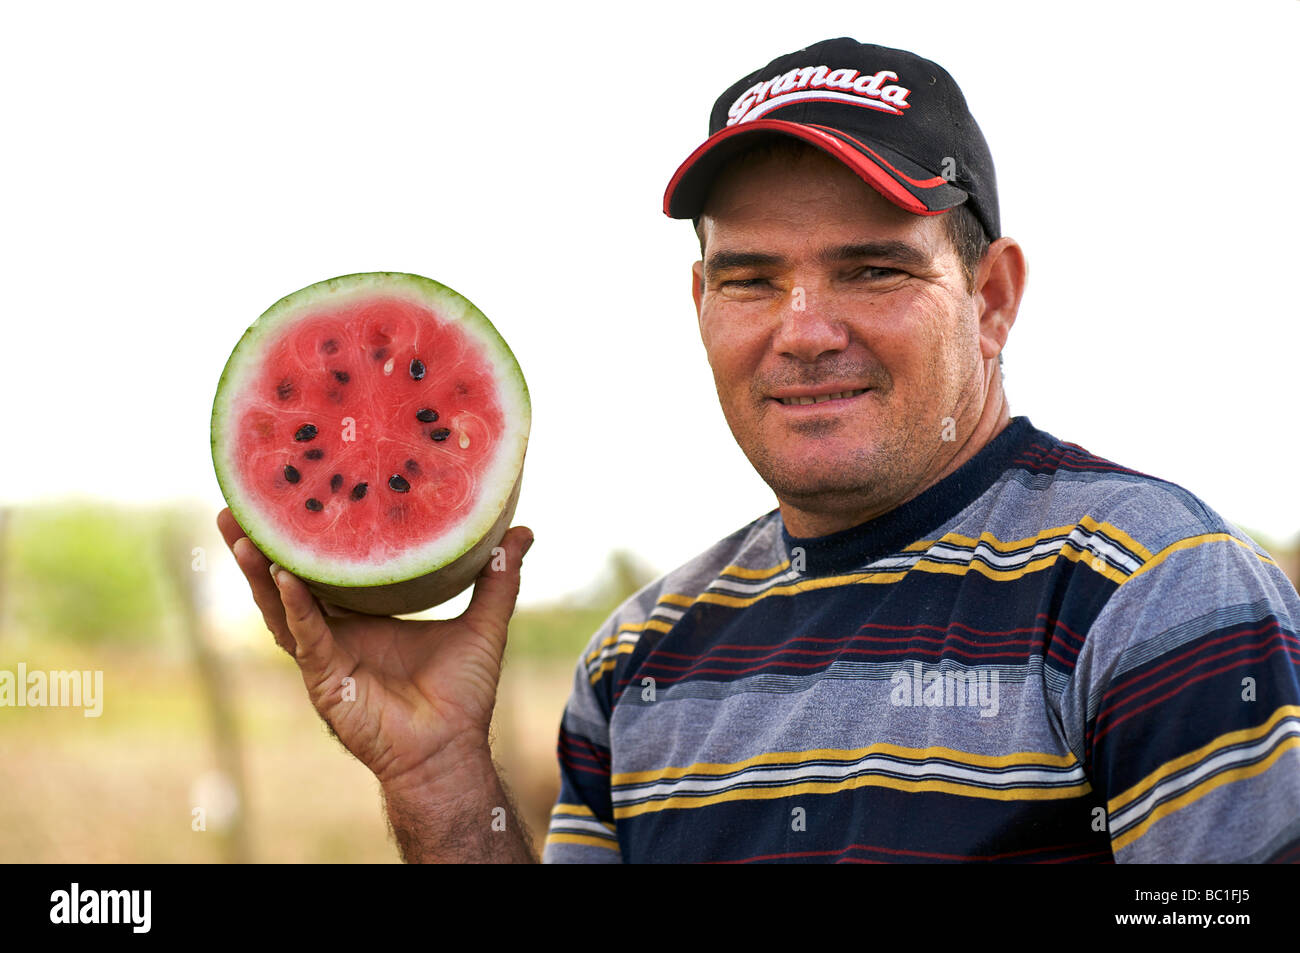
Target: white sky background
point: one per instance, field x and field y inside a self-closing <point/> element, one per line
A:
<point x="170" y="172"/>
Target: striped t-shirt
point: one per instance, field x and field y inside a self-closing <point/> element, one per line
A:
<point x="1043" y="657"/>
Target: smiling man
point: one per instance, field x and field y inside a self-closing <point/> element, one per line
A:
<point x="956" y="638"/>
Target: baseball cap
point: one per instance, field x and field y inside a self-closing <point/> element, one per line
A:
<point x="899" y="121"/>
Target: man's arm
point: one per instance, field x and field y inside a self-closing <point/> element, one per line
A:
<point x="411" y="700"/>
<point x="1190" y="707"/>
<point x="462" y="816"/>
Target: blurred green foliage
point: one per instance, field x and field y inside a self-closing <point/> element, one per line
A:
<point x="95" y="574"/>
<point x="561" y="630"/>
<point x="1265" y="541"/>
<point x="88" y="573"/>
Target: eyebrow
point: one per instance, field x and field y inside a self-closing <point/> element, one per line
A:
<point x="895" y="251"/>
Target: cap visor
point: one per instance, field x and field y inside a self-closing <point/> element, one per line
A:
<point x="893" y="175"/>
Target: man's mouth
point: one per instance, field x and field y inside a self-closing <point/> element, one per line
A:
<point x="821" y="398"/>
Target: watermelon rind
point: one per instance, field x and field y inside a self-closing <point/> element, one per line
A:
<point x="442" y="567"/>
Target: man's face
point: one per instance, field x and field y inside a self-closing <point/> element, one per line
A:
<point x="814" y="286"/>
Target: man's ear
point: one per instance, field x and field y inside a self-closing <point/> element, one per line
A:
<point x="999" y="286"/>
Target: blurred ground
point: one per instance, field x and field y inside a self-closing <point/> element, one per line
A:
<point x="120" y="788"/>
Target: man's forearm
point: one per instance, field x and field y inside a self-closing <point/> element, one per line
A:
<point x="463" y="816"/>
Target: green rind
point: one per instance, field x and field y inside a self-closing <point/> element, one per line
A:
<point x="370" y="589"/>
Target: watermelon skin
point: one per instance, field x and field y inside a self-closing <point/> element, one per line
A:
<point x="431" y="589"/>
<point x="438" y="536"/>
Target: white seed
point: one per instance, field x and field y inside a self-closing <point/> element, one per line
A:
<point x="388" y="366"/>
<point x="464" y="440"/>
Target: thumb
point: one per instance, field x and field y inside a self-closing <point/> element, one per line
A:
<point x="497" y="586"/>
<point x="316" y="653"/>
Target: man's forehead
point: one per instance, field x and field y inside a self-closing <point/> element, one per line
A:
<point x="805" y="176"/>
<point x="805" y="196"/>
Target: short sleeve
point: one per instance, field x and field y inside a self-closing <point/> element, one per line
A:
<point x="582" y="827"/>
<point x="1186" y="704"/>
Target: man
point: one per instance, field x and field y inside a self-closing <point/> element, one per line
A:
<point x="956" y="638"/>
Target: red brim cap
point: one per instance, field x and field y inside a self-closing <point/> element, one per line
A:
<point x="895" y="176"/>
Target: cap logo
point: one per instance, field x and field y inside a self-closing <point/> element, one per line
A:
<point x="820" y="83"/>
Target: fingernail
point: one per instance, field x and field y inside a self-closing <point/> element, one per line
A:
<point x="275" y="573"/>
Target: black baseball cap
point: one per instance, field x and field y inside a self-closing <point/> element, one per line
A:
<point x="899" y="121"/>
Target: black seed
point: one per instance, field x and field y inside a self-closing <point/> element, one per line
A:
<point x="342" y="377"/>
<point x="426" y="415"/>
<point x="305" y="432"/>
<point x="291" y="474"/>
<point x="398" y="483"/>
<point x="336" y="482"/>
<point x="315" y="505"/>
<point x="417" y="368"/>
<point x="315" y="453"/>
<point x="381" y="354"/>
<point x="442" y="433"/>
<point x="284" y="389"/>
<point x="412" y="467"/>
<point x="330" y="347"/>
<point x="359" y="491"/>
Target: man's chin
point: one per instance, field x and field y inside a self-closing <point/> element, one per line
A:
<point x="814" y="489"/>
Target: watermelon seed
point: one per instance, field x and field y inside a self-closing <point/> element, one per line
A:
<point x="417" y="368"/>
<point x="305" y="432"/>
<point x="342" y="377"/>
<point x="330" y="347"/>
<point x="388" y="367"/>
<point x="284" y="389"/>
<point x="398" y="483"/>
<point x="412" y="468"/>
<point x="359" y="491"/>
<point x="315" y="505"/>
<point x="441" y="434"/>
<point x="291" y="474"/>
<point x="464" y="441"/>
<point x="315" y="453"/>
<point x="426" y="415"/>
<point x="336" y="482"/>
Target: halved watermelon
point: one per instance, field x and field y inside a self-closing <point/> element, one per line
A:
<point x="369" y="434"/>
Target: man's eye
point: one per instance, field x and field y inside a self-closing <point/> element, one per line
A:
<point x="744" y="282"/>
<point x="872" y="272"/>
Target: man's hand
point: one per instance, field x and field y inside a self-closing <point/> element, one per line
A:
<point x="420" y="702"/>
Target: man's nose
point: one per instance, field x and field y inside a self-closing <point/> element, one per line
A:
<point x="809" y="326"/>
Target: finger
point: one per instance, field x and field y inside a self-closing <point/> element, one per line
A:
<point x="317" y="653"/>
<point x="497" y="586"/>
<point x="256" y="569"/>
<point x="231" y="531"/>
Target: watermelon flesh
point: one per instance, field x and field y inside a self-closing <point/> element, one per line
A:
<point x="369" y="435"/>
